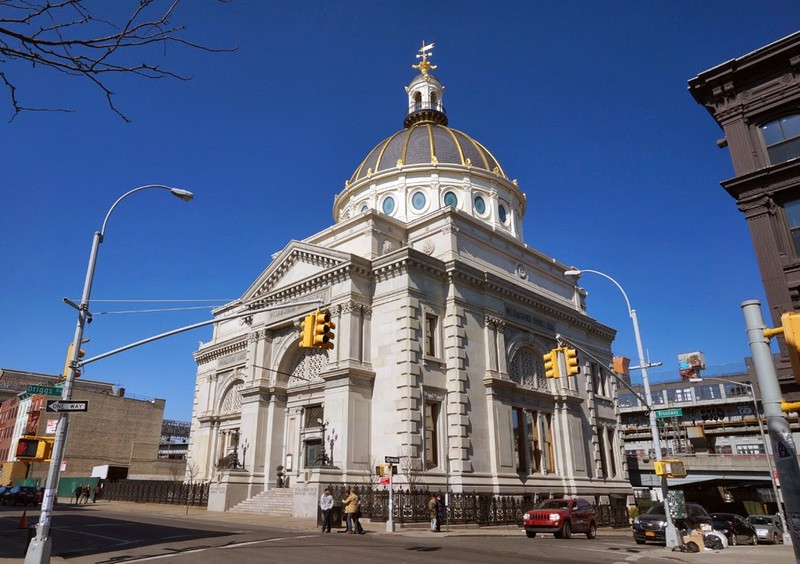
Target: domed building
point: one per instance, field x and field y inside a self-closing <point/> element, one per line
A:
<point x="442" y="316"/>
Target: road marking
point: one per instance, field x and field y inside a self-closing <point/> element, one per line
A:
<point x="234" y="545"/>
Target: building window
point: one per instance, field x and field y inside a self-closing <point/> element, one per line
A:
<point x="707" y="392"/>
<point x="679" y="395"/>
<point x="480" y="205"/>
<point x="534" y="450"/>
<point x="520" y="438"/>
<point x="313" y="415"/>
<point x="418" y="200"/>
<point x="548" y="456"/>
<point x="388" y="205"/>
<point x="450" y="199"/>
<point x="792" y="212"/>
<point x="750" y="449"/>
<point x="599" y="381"/>
<point x="601" y="445"/>
<point x="314" y="453"/>
<point x="628" y="400"/>
<point x="432" y="410"/>
<point x="502" y="214"/>
<point x="782" y="138"/>
<point x="431" y="334"/>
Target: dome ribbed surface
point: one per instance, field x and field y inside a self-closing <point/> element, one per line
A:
<point x="420" y="143"/>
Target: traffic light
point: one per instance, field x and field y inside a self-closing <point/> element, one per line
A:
<point x="551" y="368"/>
<point x="572" y="362"/>
<point x="323" y="336"/>
<point x="791" y="333"/>
<point x="307" y="331"/>
<point x="36" y="449"/>
<point x="81" y="354"/>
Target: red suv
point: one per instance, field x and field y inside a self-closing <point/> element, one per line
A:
<point x="562" y="517"/>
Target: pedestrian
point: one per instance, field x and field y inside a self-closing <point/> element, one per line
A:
<point x="441" y="512"/>
<point x="357" y="519"/>
<point x="78" y="492"/>
<point x="350" y="508"/>
<point x="326" y="504"/>
<point x="86" y="493"/>
<point x="432" y="512"/>
<point x="97" y="492"/>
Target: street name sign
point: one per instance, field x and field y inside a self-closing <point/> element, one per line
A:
<point x="59" y="406"/>
<point x="663" y="413"/>
<point x="392" y="460"/>
<point x="44" y="390"/>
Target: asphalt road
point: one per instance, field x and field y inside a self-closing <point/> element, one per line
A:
<point x="113" y="533"/>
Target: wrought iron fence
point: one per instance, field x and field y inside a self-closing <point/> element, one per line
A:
<point x="483" y="509"/>
<point x="157" y="491"/>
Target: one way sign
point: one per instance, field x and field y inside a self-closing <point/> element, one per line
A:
<point x="59" y="406"/>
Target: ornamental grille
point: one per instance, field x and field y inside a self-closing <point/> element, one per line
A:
<point x="527" y="370"/>
<point x="310" y="363"/>
<point x="311" y="414"/>
<point x="233" y="398"/>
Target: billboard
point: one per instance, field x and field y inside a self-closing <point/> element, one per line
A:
<point x="690" y="364"/>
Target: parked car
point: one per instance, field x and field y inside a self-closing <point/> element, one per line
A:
<point x="768" y="528"/>
<point x="561" y="517"/>
<point x="735" y="528"/>
<point x="652" y="524"/>
<point x="23" y="495"/>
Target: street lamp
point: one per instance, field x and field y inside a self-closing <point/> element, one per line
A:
<point x="671" y="532"/>
<point x="39" y="547"/>
<point x="787" y="538"/>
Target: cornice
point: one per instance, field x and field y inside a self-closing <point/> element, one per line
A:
<point x="219" y="350"/>
<point x="765" y="181"/>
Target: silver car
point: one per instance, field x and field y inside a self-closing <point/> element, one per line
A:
<point x="768" y="528"/>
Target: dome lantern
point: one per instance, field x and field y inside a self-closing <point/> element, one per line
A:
<point x="425" y="93"/>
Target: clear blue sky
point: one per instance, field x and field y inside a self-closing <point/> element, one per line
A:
<point x="585" y="103"/>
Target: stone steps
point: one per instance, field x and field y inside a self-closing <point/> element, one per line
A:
<point x="277" y="502"/>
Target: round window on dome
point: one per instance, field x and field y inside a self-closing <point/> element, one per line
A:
<point x="418" y="200"/>
<point x="450" y="199"/>
<point x="480" y="205"/>
<point x="388" y="205"/>
<point x="364" y="208"/>
<point x="502" y="213"/>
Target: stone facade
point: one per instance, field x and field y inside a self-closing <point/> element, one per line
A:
<point x="442" y="316"/>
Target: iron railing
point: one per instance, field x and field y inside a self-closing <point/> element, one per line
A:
<point x="157" y="491"/>
<point x="482" y="509"/>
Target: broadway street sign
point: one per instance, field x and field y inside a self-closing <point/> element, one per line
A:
<point x="664" y="413"/>
<point x="58" y="406"/>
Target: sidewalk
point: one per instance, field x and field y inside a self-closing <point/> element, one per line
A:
<point x="773" y="554"/>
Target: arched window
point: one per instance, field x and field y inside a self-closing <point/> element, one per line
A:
<point x="527" y="369"/>
<point x="782" y="138"/>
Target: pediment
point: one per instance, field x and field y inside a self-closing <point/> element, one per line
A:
<point x="297" y="261"/>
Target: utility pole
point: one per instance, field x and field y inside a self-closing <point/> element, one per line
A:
<point x="783" y="448"/>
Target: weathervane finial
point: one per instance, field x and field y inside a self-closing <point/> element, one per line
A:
<point x="424" y="65"/>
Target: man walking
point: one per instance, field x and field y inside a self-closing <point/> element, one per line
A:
<point x="326" y="504"/>
<point x="350" y="508"/>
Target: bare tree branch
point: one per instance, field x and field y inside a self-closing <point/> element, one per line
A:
<point x="65" y="36"/>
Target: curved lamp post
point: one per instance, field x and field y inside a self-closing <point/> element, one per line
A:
<point x="787" y="538"/>
<point x="672" y="538"/>
<point x="39" y="548"/>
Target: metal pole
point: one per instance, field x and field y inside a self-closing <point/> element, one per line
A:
<point x="671" y="533"/>
<point x="40" y="546"/>
<point x="390" y="521"/>
<point x="782" y="445"/>
<point x="787" y="538"/>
